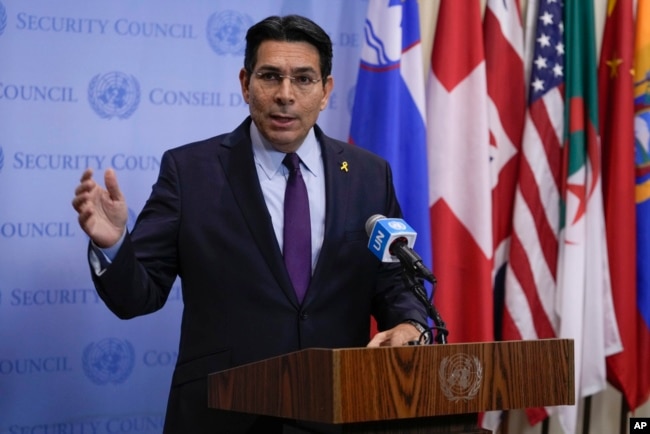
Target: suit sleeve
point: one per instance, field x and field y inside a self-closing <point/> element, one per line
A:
<point x="139" y="279"/>
<point x="394" y="302"/>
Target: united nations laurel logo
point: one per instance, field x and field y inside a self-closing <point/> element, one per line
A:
<point x="114" y="94"/>
<point x="460" y="376"/>
<point x="3" y="18"/>
<point x="397" y="225"/>
<point x="226" y="32"/>
<point x="108" y="361"/>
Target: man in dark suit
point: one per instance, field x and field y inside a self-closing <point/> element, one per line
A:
<point x="216" y="218"/>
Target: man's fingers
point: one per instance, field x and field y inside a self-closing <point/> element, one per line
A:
<point x="113" y="188"/>
<point x="88" y="174"/>
<point x="86" y="182"/>
<point x="377" y="340"/>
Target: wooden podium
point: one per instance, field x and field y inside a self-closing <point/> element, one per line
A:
<point x="410" y="389"/>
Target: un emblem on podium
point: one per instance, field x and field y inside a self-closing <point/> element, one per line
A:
<point x="460" y="376"/>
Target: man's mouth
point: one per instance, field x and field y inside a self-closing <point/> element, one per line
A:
<point x="282" y="120"/>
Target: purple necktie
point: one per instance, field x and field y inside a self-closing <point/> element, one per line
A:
<point x="297" y="228"/>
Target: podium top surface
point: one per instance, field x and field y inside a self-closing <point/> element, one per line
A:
<point x="370" y="384"/>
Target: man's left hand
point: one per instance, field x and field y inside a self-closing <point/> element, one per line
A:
<point x="399" y="335"/>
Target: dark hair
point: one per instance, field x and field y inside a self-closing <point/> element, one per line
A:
<point x="290" y="28"/>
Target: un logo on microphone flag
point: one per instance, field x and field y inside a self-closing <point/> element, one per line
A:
<point x="397" y="225"/>
<point x="384" y="232"/>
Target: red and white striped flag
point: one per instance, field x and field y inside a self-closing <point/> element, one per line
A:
<point x="504" y="52"/>
<point x="557" y="280"/>
<point x="531" y="274"/>
<point x="459" y="173"/>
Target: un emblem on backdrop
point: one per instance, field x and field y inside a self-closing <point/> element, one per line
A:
<point x="3" y="18"/>
<point x="114" y="94"/>
<point x="2" y="159"/>
<point x="226" y="32"/>
<point x="108" y="361"/>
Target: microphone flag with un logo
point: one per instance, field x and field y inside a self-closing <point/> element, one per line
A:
<point x="383" y="232"/>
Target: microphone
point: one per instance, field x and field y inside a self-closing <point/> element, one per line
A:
<point x="391" y="240"/>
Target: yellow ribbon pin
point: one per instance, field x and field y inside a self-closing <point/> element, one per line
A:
<point x="344" y="166"/>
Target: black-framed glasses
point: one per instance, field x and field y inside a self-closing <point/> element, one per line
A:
<point x="302" y="82"/>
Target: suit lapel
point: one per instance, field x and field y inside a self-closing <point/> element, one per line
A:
<point x="336" y="204"/>
<point x="239" y="167"/>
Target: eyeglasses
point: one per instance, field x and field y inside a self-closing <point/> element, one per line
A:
<point x="302" y="82"/>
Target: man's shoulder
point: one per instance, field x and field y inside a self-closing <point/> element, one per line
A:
<point x="197" y="146"/>
<point x="349" y="150"/>
<point x="215" y="142"/>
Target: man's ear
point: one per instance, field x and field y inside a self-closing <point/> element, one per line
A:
<point x="244" y="81"/>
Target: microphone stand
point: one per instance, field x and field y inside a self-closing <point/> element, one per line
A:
<point x="414" y="272"/>
<point x="414" y="283"/>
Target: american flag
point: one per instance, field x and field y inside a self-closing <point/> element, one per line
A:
<point x="531" y="275"/>
<point x="532" y="266"/>
<point x="557" y="281"/>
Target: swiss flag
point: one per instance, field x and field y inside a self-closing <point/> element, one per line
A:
<point x="459" y="173"/>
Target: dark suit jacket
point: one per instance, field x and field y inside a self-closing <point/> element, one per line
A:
<point x="206" y="221"/>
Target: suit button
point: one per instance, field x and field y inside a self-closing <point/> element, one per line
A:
<point x="304" y="316"/>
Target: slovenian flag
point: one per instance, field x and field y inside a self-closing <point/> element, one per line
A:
<point x="388" y="113"/>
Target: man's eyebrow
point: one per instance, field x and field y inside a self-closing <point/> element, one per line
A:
<point x="268" y="68"/>
<point x="303" y="69"/>
<point x="300" y="69"/>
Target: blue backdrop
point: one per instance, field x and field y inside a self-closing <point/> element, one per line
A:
<point x="111" y="84"/>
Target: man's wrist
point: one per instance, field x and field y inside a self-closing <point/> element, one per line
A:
<point x="425" y="332"/>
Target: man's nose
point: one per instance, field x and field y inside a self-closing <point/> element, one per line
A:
<point x="285" y="92"/>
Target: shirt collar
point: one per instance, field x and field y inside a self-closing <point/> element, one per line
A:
<point x="270" y="160"/>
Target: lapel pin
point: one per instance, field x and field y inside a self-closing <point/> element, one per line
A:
<point x="344" y="166"/>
